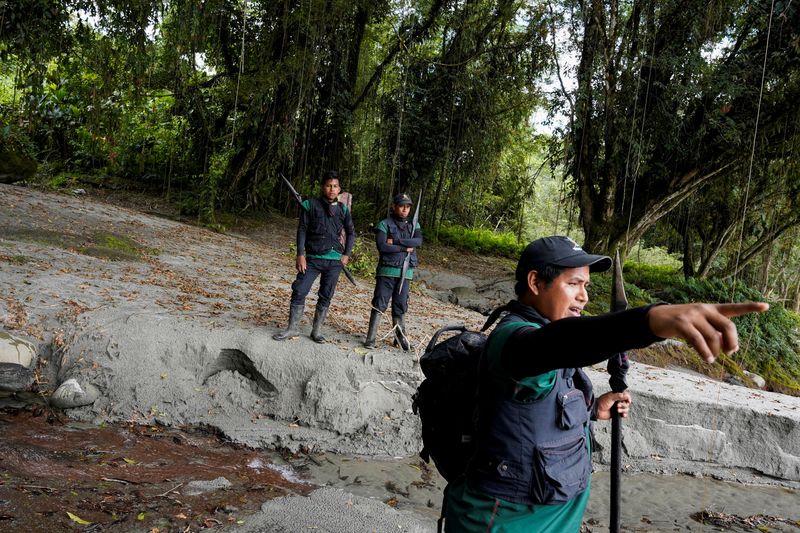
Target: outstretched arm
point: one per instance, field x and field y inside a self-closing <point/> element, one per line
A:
<point x="583" y="341"/>
<point x="706" y="327"/>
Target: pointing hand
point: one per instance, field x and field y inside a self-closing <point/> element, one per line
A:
<point x="706" y="327"/>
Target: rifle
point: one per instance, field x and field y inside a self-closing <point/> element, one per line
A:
<point x="617" y="368"/>
<point x="407" y="260"/>
<point x="299" y="200"/>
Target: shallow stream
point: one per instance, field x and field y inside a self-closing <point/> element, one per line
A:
<point x="56" y="474"/>
<point x="649" y="503"/>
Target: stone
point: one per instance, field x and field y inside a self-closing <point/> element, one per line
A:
<point x="471" y="299"/>
<point x="17" y="363"/>
<point x="71" y="394"/>
<point x="758" y="380"/>
<point x="15" y="165"/>
<point x="17" y="351"/>
<point x="195" y="488"/>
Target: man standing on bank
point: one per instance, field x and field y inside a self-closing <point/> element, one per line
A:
<point x="395" y="238"/>
<point x="319" y="253"/>
<point x="531" y="469"/>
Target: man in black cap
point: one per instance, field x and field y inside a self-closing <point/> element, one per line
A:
<point x="395" y="238"/>
<point x="532" y="462"/>
<point x="320" y="252"/>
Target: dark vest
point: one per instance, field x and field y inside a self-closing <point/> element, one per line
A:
<point x="323" y="229"/>
<point x="396" y="229"/>
<point x="533" y="452"/>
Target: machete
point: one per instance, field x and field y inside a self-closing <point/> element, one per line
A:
<point x="617" y="368"/>
<point x="299" y="200"/>
<point x="407" y="260"/>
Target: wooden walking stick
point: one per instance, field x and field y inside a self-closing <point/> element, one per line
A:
<point x="617" y="369"/>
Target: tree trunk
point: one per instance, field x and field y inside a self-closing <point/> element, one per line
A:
<point x="763" y="241"/>
<point x="765" y="267"/>
<point x="688" y="249"/>
<point x="796" y="306"/>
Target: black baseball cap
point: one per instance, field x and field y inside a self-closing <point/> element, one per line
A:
<point x="402" y="199"/>
<point x="558" y="251"/>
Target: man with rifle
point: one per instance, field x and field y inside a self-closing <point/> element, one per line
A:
<point x="397" y="239"/>
<point x="319" y="253"/>
<point x="531" y="466"/>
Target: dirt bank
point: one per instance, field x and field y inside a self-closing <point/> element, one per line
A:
<point x="173" y="324"/>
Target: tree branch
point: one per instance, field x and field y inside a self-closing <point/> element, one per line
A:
<point x="402" y="42"/>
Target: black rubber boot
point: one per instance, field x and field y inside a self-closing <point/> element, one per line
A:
<point x="400" y="332"/>
<point x="295" y="314"/>
<point x="372" y="332"/>
<point x="319" y="318"/>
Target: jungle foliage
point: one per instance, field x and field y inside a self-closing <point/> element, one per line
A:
<point x="669" y="124"/>
<point x="769" y="342"/>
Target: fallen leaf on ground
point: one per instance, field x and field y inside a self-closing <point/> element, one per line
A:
<point x="77" y="519"/>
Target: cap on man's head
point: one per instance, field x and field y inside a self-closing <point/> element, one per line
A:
<point x="402" y="199"/>
<point x="560" y="252"/>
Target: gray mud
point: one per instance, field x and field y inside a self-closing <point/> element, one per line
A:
<point x="176" y="327"/>
<point x="649" y="502"/>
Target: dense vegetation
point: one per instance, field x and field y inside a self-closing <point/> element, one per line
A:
<point x="769" y="342"/>
<point x="626" y="124"/>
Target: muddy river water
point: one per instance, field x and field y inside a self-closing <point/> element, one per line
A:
<point x="61" y="475"/>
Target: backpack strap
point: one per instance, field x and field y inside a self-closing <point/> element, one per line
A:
<point x="435" y="339"/>
<point x="494" y="316"/>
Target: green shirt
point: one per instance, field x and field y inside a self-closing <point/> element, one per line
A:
<point x="468" y="510"/>
<point x="394" y="272"/>
<point x="330" y="254"/>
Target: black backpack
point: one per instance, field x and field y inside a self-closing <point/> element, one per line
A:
<point x="446" y="399"/>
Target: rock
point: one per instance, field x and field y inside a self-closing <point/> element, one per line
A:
<point x="462" y="290"/>
<point x="689" y="423"/>
<point x="484" y="299"/>
<point x="442" y="280"/>
<point x="194" y="488"/>
<point x="17" y="363"/>
<point x="733" y="380"/>
<point x="16" y="350"/>
<point x="758" y="380"/>
<point x="15" y="166"/>
<point x="71" y="394"/>
<point x="468" y="297"/>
